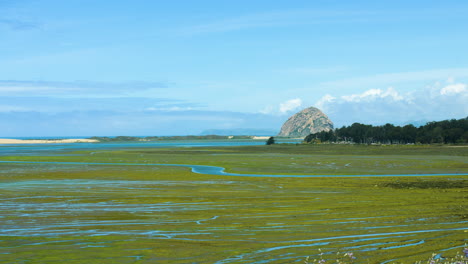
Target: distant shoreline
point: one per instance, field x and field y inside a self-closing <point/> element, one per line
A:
<point x="46" y="141"/>
<point x="4" y="141"/>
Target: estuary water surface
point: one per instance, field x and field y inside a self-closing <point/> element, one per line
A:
<point x="57" y="148"/>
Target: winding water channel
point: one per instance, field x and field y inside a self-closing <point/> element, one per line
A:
<point x="213" y="170"/>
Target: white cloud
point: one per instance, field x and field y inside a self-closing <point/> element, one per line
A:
<point x="453" y="89"/>
<point x="377" y="106"/>
<point x="324" y="100"/>
<point x="290" y="105"/>
<point x="283" y="108"/>
<point x="374" y="94"/>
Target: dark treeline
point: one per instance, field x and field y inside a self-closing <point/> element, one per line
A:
<point x="447" y="131"/>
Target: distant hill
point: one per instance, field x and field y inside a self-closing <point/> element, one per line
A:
<point x="308" y="121"/>
<point x="240" y="132"/>
<point x="160" y="138"/>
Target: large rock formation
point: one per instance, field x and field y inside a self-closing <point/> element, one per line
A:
<point x="308" y="121"/>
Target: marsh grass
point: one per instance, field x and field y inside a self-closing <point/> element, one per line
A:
<point x="292" y="159"/>
<point x="428" y="184"/>
<point x="150" y="214"/>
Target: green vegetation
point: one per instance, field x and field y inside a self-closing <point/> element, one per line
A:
<point x="53" y="213"/>
<point x="428" y="184"/>
<point x="349" y="258"/>
<point x="445" y="132"/>
<point x="292" y="159"/>
<point x="270" y="141"/>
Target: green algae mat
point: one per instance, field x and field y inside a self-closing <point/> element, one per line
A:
<point x="87" y="213"/>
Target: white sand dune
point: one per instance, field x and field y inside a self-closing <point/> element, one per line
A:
<point x="262" y="138"/>
<point x="46" y="141"/>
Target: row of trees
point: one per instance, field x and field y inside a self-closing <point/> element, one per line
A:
<point x="447" y="131"/>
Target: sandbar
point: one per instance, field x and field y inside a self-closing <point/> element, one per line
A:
<point x="46" y="141"/>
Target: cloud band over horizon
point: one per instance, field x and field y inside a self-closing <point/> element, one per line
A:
<point x="379" y="106"/>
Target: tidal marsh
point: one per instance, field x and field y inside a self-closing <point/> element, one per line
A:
<point x="53" y="213"/>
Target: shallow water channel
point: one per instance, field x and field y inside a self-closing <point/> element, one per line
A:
<point x="213" y="170"/>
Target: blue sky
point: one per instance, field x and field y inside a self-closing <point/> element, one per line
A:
<point x="180" y="67"/>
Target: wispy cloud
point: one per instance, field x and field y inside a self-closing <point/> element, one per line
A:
<point x="13" y="108"/>
<point x="309" y="16"/>
<point x="374" y="94"/>
<point x="92" y="123"/>
<point x="392" y="78"/>
<point x="283" y="108"/>
<point x="315" y="70"/>
<point x="16" y="24"/>
<point x="290" y="105"/>
<point x="174" y="108"/>
<point x="275" y="19"/>
<point x="55" y="105"/>
<point x="74" y="88"/>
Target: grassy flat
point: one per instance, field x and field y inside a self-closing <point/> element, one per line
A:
<point x="52" y="213"/>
